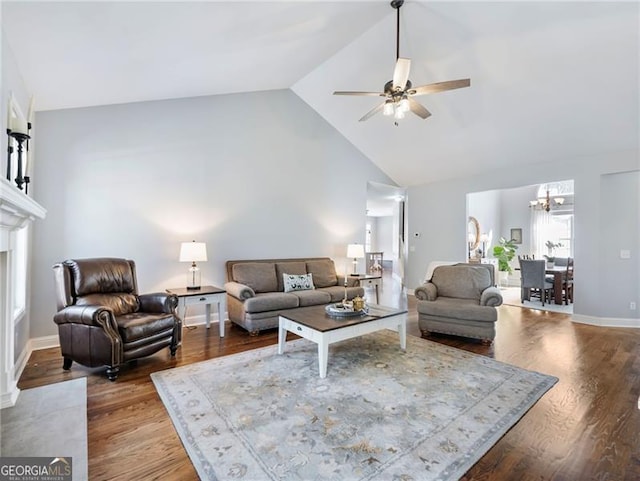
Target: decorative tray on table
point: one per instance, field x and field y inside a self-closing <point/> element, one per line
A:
<point x="344" y="310"/>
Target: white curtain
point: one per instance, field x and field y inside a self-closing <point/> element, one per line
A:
<point x="540" y="232"/>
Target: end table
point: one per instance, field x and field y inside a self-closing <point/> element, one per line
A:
<point x="206" y="295"/>
<point x="370" y="280"/>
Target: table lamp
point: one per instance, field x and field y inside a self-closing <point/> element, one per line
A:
<point x="193" y="252"/>
<point x="356" y="251"/>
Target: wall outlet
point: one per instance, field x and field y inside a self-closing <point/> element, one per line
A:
<point x="632" y="306"/>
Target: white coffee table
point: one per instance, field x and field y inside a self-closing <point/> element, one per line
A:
<point x="314" y="324"/>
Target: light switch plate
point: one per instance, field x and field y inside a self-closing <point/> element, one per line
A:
<point x="625" y="254"/>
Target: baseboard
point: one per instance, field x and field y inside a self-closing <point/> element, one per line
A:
<point x="8" y="399"/>
<point x="33" y="344"/>
<point x="606" y="321"/>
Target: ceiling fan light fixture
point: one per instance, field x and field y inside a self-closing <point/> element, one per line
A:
<point x="388" y="108"/>
<point x="399" y="114"/>
<point x="403" y="104"/>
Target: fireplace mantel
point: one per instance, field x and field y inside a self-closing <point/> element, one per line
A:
<point x="16" y="211"/>
<point x="16" y="208"/>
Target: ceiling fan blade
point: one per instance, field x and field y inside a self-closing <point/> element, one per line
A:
<point x="401" y="73"/>
<point x="373" y="94"/>
<point x="418" y="109"/>
<point x="440" y="87"/>
<point x="372" y="112"/>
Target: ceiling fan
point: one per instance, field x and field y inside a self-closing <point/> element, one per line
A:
<point x="399" y="91"/>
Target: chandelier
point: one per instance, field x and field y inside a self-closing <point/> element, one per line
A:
<point x="545" y="203"/>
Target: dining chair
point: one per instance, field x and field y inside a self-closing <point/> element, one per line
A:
<point x="533" y="281"/>
<point x="567" y="283"/>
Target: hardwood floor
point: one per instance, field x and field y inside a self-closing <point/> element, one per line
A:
<point x="587" y="427"/>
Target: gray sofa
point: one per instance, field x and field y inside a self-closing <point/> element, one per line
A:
<point x="255" y="289"/>
<point x="460" y="299"/>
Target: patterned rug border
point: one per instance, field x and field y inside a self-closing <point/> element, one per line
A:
<point x="455" y="470"/>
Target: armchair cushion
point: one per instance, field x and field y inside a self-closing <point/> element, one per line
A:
<point x="461" y="281"/>
<point x="456" y="308"/>
<point x="90" y="276"/>
<point x="143" y="325"/>
<point x="119" y="303"/>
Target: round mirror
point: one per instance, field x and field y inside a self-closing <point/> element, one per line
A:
<point x="473" y="233"/>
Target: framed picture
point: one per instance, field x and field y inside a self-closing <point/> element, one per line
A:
<point x="516" y="235"/>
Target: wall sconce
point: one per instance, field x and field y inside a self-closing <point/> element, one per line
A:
<point x="18" y="129"/>
<point x="193" y="252"/>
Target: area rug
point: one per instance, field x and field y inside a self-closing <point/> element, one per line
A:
<point x="511" y="297"/>
<point x="380" y="414"/>
<point x="49" y="421"/>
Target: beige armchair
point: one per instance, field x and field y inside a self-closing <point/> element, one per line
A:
<point x="461" y="300"/>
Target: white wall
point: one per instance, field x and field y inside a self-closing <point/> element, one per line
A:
<point x="12" y="85"/>
<point x="485" y="207"/>
<point x="254" y="175"/>
<point x="438" y="210"/>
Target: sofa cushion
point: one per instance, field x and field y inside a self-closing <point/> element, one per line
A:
<point x="295" y="282"/>
<point x="259" y="276"/>
<point x="271" y="301"/>
<point x="337" y="292"/>
<point x="312" y="298"/>
<point x="289" y="268"/>
<point x="324" y="272"/>
<point x="456" y="308"/>
<point x="462" y="281"/>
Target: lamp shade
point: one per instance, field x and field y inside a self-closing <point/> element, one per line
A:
<point x="193" y="252"/>
<point x="355" y="251"/>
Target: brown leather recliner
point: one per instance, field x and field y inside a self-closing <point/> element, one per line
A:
<point x="102" y="321"/>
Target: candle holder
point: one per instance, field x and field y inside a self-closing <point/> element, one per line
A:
<point x="20" y="138"/>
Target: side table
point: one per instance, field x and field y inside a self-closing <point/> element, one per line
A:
<point x="206" y="295"/>
<point x="370" y="280"/>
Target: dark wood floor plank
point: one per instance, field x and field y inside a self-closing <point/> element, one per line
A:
<point x="585" y="428"/>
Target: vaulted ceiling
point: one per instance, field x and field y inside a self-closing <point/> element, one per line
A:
<point x="549" y="80"/>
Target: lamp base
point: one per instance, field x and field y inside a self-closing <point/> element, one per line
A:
<point x="193" y="278"/>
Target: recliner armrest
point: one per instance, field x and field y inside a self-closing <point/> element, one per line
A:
<point x="91" y="315"/>
<point x="491" y="296"/>
<point x="426" y="292"/>
<point x="158" y="302"/>
<point x="239" y="291"/>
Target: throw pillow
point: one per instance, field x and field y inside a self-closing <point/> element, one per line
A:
<point x="294" y="282"/>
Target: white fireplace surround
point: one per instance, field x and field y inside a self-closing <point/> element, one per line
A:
<point x="17" y="210"/>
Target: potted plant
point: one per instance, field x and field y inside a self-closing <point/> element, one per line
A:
<point x="504" y="252"/>
<point x="551" y="246"/>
